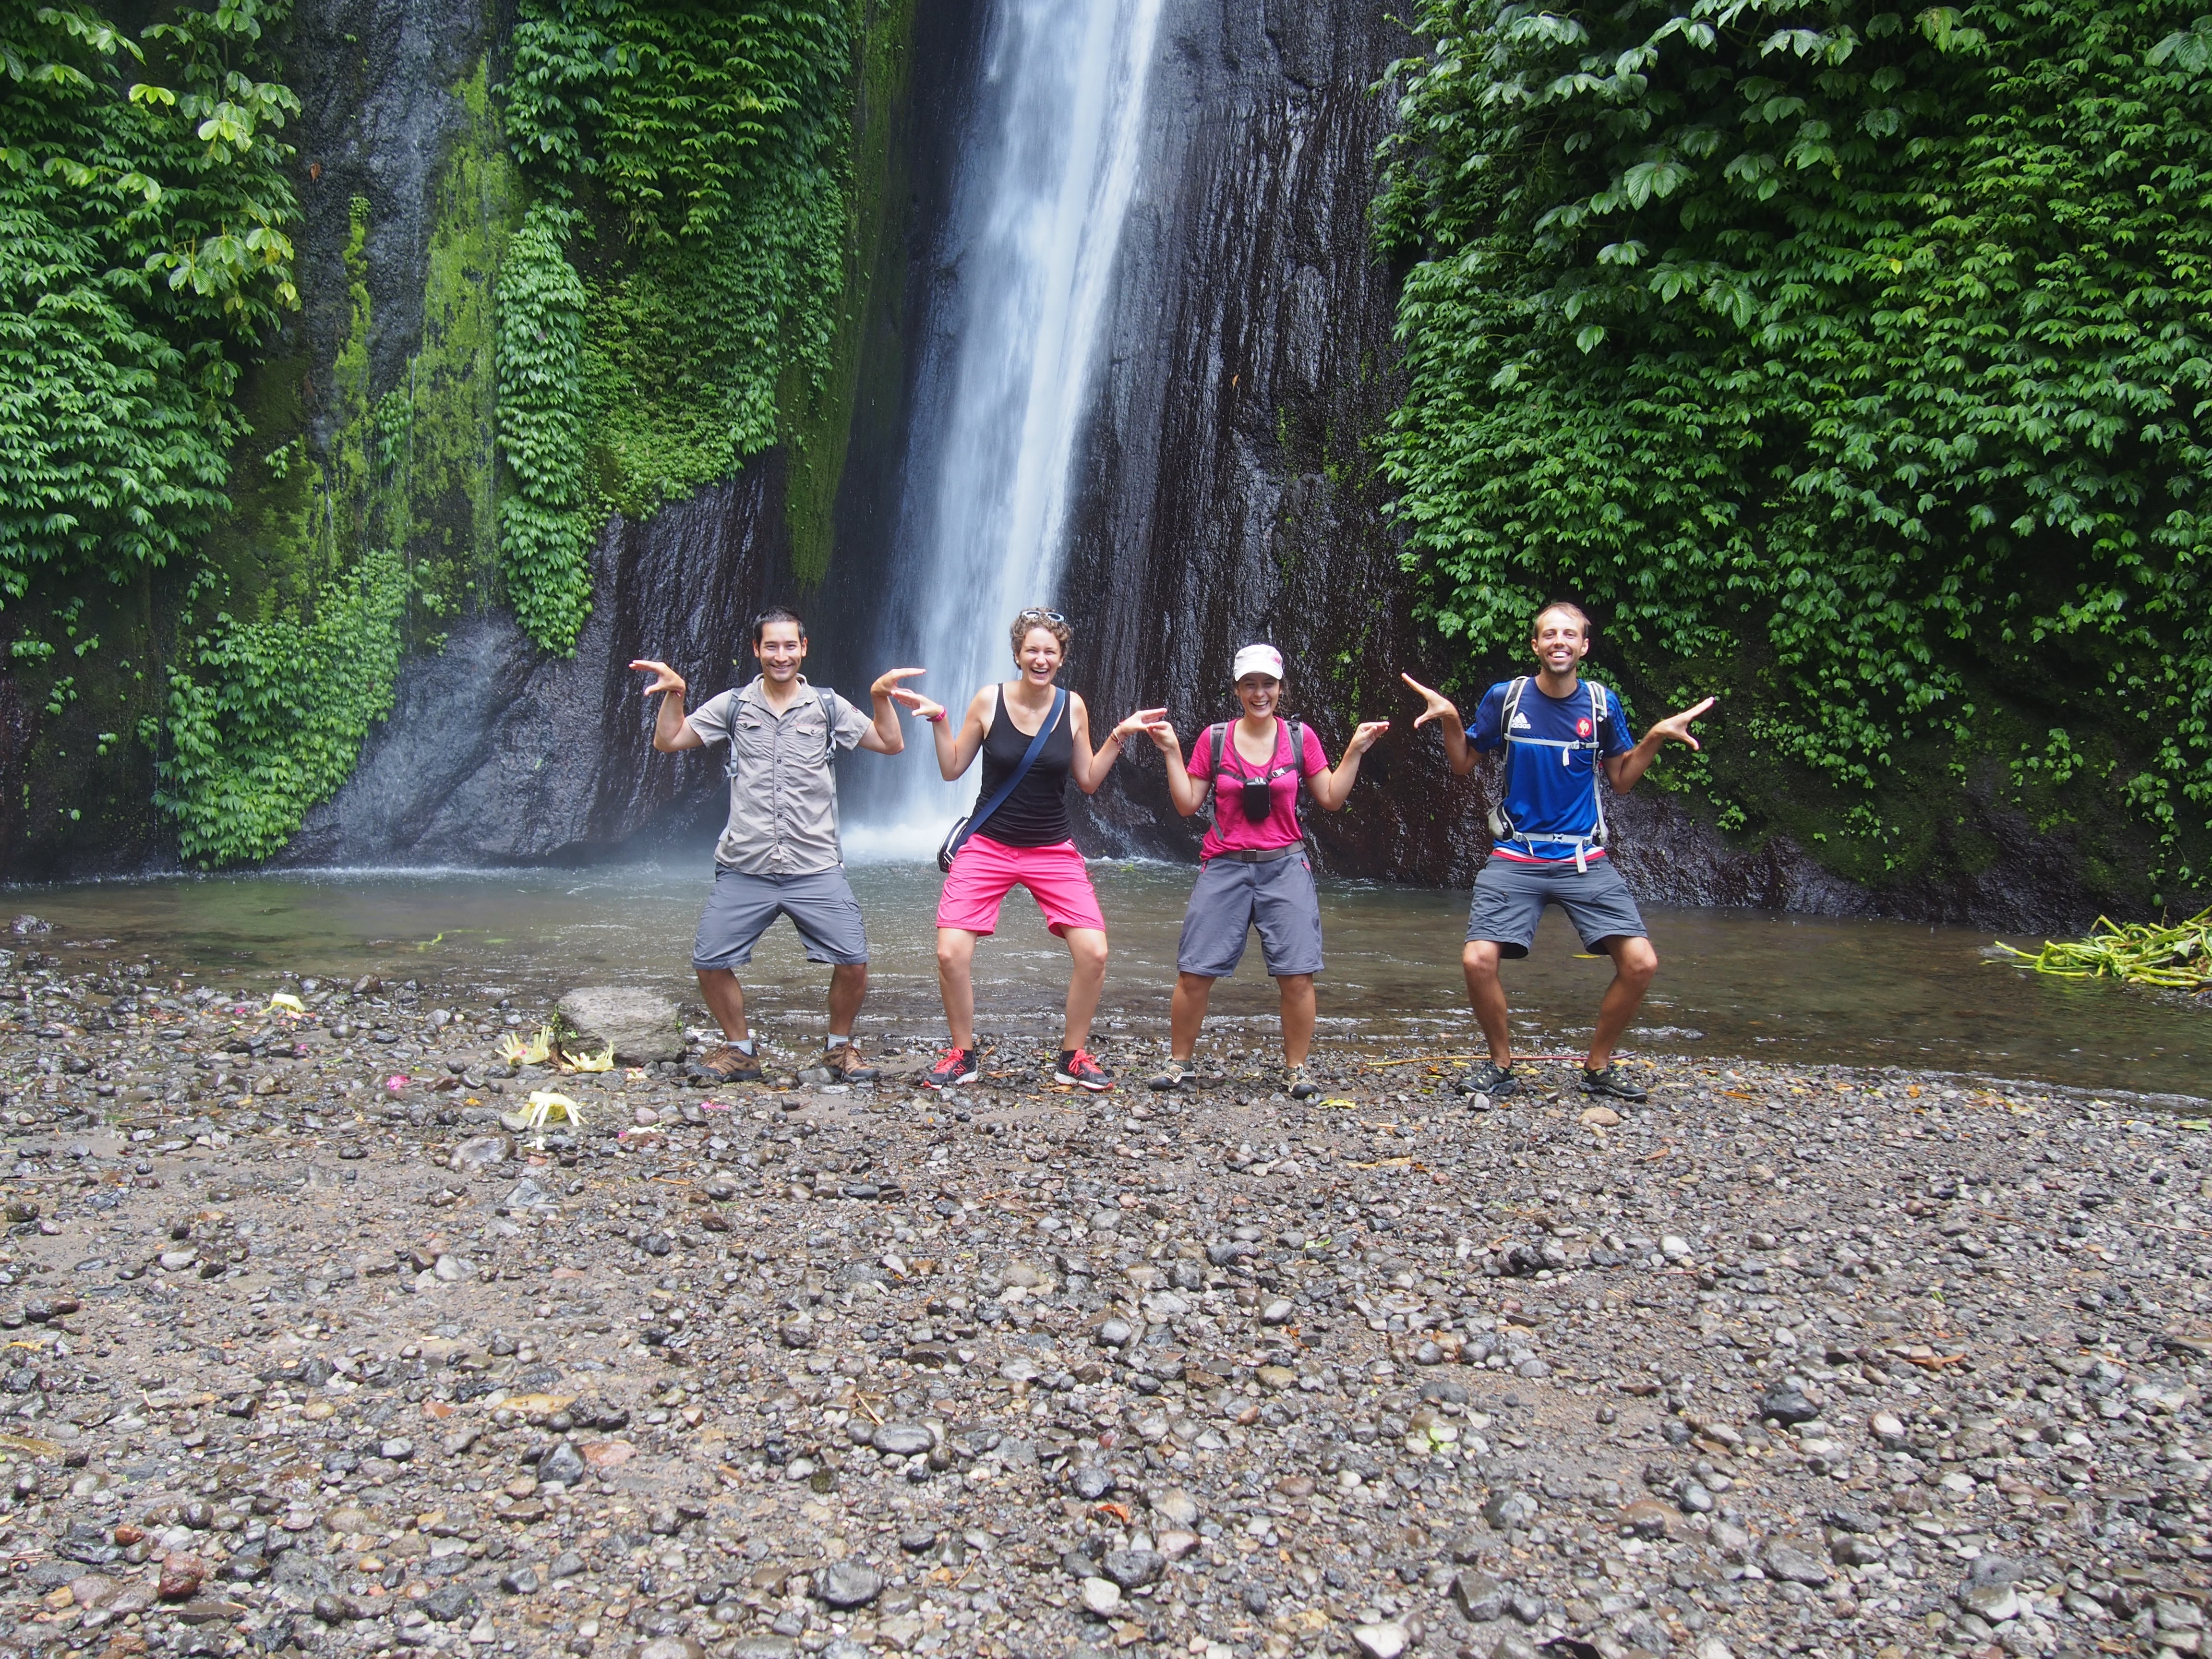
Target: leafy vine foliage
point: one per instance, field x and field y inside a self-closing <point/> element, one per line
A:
<point x="543" y="530"/>
<point x="267" y="718"/>
<point x="1867" y="347"/>
<point x="699" y="154"/>
<point x="143" y="248"/>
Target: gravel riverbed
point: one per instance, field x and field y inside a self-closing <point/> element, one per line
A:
<point x="306" y="1350"/>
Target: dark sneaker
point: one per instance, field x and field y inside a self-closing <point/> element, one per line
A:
<point x="1299" y="1085"/>
<point x="959" y="1066"/>
<point x="727" y="1064"/>
<point x="1489" y="1078"/>
<point x="848" y="1064"/>
<point x="1177" y="1076"/>
<point x="1610" y="1084"/>
<point x="1077" y="1067"/>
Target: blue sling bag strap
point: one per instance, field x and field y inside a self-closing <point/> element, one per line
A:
<point x="960" y="832"/>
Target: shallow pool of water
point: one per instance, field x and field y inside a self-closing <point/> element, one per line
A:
<point x="1777" y="988"/>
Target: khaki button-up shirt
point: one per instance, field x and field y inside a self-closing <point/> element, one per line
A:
<point x="783" y="778"/>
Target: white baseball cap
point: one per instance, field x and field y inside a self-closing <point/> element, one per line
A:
<point x="1258" y="659"/>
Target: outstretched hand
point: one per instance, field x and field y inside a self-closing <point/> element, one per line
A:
<point x="664" y="678"/>
<point x="1440" y="706"/>
<point x="887" y="682"/>
<point x="1147" y="721"/>
<point x="1365" y="737"/>
<point x="914" y="702"/>
<point x="1677" y="726"/>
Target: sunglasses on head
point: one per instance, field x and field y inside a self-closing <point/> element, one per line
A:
<point x="1034" y="614"/>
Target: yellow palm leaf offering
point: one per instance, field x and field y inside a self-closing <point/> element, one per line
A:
<point x="603" y="1061"/>
<point x="545" y="1107"/>
<point x="288" y="1002"/>
<point x="531" y="1051"/>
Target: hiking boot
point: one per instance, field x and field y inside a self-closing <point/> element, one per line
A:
<point x="847" y="1065"/>
<point x="959" y="1066"/>
<point x="1488" y="1079"/>
<point x="1179" y="1074"/>
<point x="727" y="1064"/>
<point x="1299" y="1085"/>
<point x="1077" y="1067"/>
<point x="1610" y="1084"/>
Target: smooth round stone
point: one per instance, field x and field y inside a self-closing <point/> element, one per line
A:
<point x="901" y="1439"/>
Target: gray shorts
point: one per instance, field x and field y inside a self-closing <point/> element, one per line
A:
<point x="742" y="908"/>
<point x="1232" y="897"/>
<point x="1509" y="895"/>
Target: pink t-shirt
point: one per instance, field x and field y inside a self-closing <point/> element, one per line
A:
<point x="1233" y="832"/>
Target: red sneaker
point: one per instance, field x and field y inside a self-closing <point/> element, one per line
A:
<point x="959" y="1066"/>
<point x="1077" y="1067"/>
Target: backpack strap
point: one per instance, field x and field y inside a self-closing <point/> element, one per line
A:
<point x="1597" y="762"/>
<point x="828" y="701"/>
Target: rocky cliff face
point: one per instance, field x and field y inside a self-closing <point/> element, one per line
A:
<point x="495" y="753"/>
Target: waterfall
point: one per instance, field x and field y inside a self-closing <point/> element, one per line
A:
<point x="1027" y="264"/>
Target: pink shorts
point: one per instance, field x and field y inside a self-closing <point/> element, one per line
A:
<point x="983" y="871"/>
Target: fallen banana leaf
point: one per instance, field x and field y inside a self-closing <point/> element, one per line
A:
<point x="2171" y="957"/>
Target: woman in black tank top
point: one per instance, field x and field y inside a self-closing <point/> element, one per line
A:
<point x="1035" y="813"/>
<point x="1023" y="841"/>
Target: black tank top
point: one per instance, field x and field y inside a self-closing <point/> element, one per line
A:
<point x="1036" y="814"/>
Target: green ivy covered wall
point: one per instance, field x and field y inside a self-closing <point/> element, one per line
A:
<point x="1852" y="364"/>
<point x="649" y="231"/>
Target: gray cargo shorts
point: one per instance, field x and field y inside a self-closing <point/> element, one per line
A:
<point x="1232" y="897"/>
<point x="743" y="907"/>
<point x="1509" y="895"/>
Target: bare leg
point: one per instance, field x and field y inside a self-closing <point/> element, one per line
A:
<point x="1186" y="1012"/>
<point x="724" y="1001"/>
<point x="849" y="984"/>
<point x="956" y="982"/>
<point x="1086" y="949"/>
<point x="1297" y="1017"/>
<point x="1634" y="963"/>
<point x="1487" y="997"/>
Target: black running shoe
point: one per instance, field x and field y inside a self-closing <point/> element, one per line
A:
<point x="1489" y="1078"/>
<point x="1610" y="1084"/>
<point x="959" y="1067"/>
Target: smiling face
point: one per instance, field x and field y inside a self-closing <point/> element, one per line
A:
<point x="1561" y="639"/>
<point x="1039" y="656"/>
<point x="1260" y="693"/>
<point x="781" y="652"/>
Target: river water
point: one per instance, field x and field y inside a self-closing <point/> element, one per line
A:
<point x="1750" y="984"/>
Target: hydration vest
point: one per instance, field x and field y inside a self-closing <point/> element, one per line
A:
<point x="1501" y="825"/>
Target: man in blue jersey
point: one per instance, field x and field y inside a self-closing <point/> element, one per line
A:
<point x="1566" y="743"/>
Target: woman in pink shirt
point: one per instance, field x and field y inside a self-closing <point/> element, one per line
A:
<point x="1253" y="870"/>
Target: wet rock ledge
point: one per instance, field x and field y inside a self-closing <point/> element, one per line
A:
<point x="309" y="1350"/>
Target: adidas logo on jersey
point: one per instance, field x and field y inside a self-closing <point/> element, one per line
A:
<point x="1519" y="722"/>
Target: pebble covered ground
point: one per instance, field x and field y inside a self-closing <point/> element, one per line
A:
<point x="305" y="1350"/>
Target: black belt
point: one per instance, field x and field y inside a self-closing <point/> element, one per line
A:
<point x="1266" y="855"/>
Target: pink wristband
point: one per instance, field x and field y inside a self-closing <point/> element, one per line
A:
<point x="938" y="719"/>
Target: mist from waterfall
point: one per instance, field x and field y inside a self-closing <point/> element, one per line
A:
<point x="1027" y="263"/>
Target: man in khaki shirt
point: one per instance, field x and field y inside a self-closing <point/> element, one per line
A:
<point x="779" y="855"/>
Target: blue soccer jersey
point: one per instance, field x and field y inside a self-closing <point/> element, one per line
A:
<point x="1552" y="775"/>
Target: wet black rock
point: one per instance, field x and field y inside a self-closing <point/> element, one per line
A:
<point x="845" y="1584"/>
<point x="1786" y="1404"/>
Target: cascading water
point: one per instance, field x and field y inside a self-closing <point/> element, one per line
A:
<point x="1029" y="257"/>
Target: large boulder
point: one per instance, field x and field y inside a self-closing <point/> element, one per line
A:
<point x="641" y="1026"/>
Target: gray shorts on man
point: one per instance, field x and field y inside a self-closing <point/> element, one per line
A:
<point x="743" y="906"/>
<point x="1510" y="894"/>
